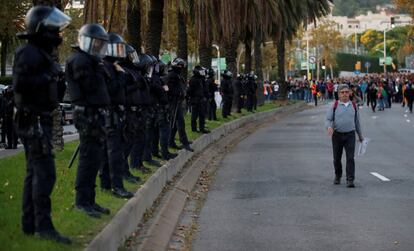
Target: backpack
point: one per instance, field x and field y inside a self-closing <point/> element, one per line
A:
<point x="335" y="105"/>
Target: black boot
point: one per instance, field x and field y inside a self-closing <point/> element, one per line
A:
<point x="54" y="236"/>
<point x="89" y="210"/>
<point x="122" y="193"/>
<point x="100" y="209"/>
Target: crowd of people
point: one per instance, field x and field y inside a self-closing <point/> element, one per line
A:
<point x="378" y="91"/>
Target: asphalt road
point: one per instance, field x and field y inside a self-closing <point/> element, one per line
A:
<point x="274" y="191"/>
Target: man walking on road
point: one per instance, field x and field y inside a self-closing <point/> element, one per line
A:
<point x="342" y="121"/>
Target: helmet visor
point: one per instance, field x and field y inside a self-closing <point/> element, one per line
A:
<point x="133" y="57"/>
<point x="117" y="50"/>
<point x="93" y="46"/>
<point x="56" y="20"/>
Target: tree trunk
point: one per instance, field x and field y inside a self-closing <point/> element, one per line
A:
<point x="155" y="20"/>
<point x="56" y="3"/>
<point x="182" y="40"/>
<point x="204" y="52"/>
<point x="4" y="48"/>
<point x="105" y="14"/>
<point x="258" y="67"/>
<point x="134" y="24"/>
<point x="111" y="17"/>
<point x="281" y="67"/>
<point x="247" y="54"/>
<point x="231" y="54"/>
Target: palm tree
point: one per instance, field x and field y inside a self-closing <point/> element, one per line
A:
<point x="155" y="21"/>
<point x="133" y="24"/>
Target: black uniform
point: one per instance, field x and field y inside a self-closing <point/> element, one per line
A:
<point x="36" y="89"/>
<point x="86" y="76"/>
<point x="198" y="100"/>
<point x="162" y="132"/>
<point x="112" y="170"/>
<point x="9" y="120"/>
<point x="176" y="96"/>
<point x="226" y="90"/>
<point x="250" y="90"/>
<point x="239" y="94"/>
<point x="136" y="94"/>
<point x="409" y="95"/>
<point x="212" y="88"/>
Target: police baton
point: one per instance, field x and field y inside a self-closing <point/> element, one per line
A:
<point x="75" y="154"/>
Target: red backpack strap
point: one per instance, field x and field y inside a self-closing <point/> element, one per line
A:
<point x="354" y="105"/>
<point x="335" y="105"/>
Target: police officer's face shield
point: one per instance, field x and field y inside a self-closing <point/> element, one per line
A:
<point x="133" y="57"/>
<point x="55" y="20"/>
<point x="116" y="50"/>
<point x="150" y="70"/>
<point x="93" y="46"/>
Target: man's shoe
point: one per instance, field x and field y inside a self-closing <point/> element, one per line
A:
<point x="153" y="162"/>
<point x="350" y="184"/>
<point x="144" y="169"/>
<point x="100" y="209"/>
<point x="54" y="236"/>
<point x="169" y="156"/>
<point x="89" y="210"/>
<point x="122" y="193"/>
<point x="132" y="179"/>
<point x="337" y="181"/>
<point x="188" y="148"/>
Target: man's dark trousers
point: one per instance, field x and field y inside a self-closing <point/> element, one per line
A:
<point x="339" y="142"/>
<point x="111" y="172"/>
<point x="198" y="112"/>
<point x="39" y="181"/>
<point x="179" y="126"/>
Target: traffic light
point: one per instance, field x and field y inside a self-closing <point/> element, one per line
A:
<point x="392" y="22"/>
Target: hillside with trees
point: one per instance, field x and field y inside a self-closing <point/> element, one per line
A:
<point x="351" y="8"/>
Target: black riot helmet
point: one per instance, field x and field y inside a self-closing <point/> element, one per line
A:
<point x="145" y="64"/>
<point x="227" y="74"/>
<point x="116" y="46"/>
<point x="40" y="19"/>
<point x="199" y="71"/>
<point x="240" y="76"/>
<point x="93" y="39"/>
<point x="131" y="54"/>
<point x="178" y="63"/>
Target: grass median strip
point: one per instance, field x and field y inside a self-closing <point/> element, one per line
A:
<point x="66" y="218"/>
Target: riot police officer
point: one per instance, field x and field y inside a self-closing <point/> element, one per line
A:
<point x="38" y="86"/>
<point x="176" y="95"/>
<point x="9" y="118"/>
<point x="226" y="90"/>
<point x="198" y="100"/>
<point x="162" y="128"/>
<point x="86" y="76"/>
<point x="212" y="88"/>
<point x="239" y="92"/>
<point x="250" y="91"/>
<point x="112" y="170"/>
<point x="137" y="99"/>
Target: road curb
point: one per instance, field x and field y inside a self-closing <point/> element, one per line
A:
<point x="129" y="216"/>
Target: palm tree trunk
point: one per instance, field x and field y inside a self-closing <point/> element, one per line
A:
<point x="56" y="3"/>
<point x="155" y="20"/>
<point x="134" y="24"/>
<point x="281" y="67"/>
<point x="4" y="48"/>
<point x="231" y="54"/>
<point x="247" y="54"/>
<point x="182" y="43"/>
<point x="204" y="52"/>
<point x="258" y="67"/>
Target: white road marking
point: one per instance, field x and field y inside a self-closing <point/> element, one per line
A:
<point x="405" y="115"/>
<point x="408" y="121"/>
<point x="374" y="117"/>
<point x="379" y="176"/>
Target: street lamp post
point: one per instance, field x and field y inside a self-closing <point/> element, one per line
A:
<point x="385" y="50"/>
<point x="218" y="62"/>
